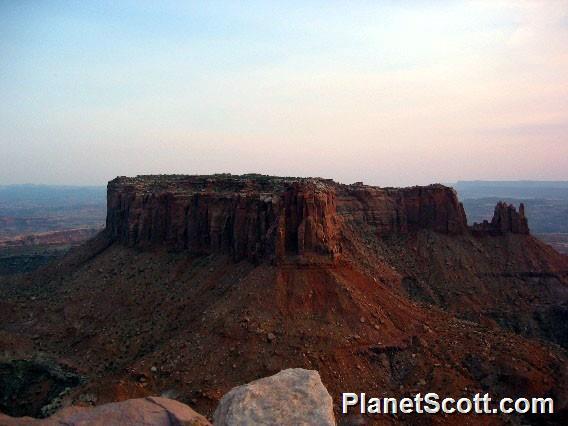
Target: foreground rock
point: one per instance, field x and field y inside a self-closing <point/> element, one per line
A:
<point x="144" y="411"/>
<point x="291" y="397"/>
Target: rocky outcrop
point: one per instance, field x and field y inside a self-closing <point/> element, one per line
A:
<point x="291" y="397"/>
<point x="401" y="210"/>
<point x="506" y="220"/>
<point x="257" y="217"/>
<point x="248" y="218"/>
<point x="153" y="411"/>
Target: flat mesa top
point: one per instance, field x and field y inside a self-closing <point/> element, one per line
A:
<point x="234" y="183"/>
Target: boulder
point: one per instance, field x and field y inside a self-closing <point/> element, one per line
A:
<point x="291" y="397"/>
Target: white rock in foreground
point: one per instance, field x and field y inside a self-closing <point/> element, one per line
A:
<point x="291" y="397"/>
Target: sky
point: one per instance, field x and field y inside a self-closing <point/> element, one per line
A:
<point x="387" y="92"/>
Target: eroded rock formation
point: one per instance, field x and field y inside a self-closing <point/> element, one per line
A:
<point x="505" y="220"/>
<point x="247" y="218"/>
<point x="254" y="217"/>
<point x="402" y="210"/>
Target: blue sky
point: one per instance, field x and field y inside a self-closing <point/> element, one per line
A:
<point x="388" y="92"/>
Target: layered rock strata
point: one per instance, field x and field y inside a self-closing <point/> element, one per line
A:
<point x="246" y="218"/>
<point x="257" y="217"/>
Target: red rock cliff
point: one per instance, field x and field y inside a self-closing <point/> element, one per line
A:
<point x="403" y="210"/>
<point x="245" y="217"/>
<point x="254" y="217"/>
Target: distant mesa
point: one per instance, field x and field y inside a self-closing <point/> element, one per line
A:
<point x="265" y="217"/>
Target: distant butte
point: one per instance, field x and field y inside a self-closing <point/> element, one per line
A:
<point x="257" y="216"/>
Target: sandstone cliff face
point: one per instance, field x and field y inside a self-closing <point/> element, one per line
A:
<point x="260" y="217"/>
<point x="246" y="218"/>
<point x="402" y="210"/>
<point x="505" y="220"/>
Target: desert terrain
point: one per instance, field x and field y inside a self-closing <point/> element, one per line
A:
<point x="201" y="283"/>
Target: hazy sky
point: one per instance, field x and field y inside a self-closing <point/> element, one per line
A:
<point x="387" y="92"/>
